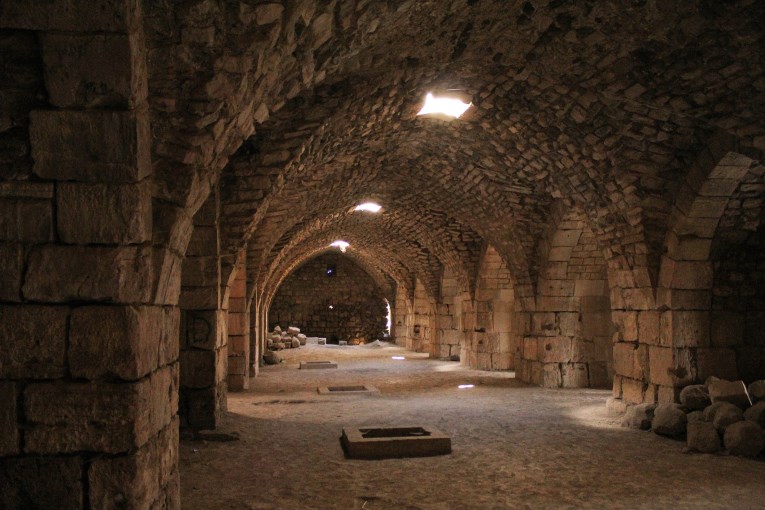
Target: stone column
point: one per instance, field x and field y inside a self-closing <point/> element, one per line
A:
<point x="238" y="329"/>
<point x="204" y="334"/>
<point x="88" y="358"/>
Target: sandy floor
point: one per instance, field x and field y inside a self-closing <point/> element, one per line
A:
<point x="514" y="446"/>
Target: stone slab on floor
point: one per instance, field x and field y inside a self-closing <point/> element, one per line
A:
<point x="347" y="390"/>
<point x="317" y="365"/>
<point x="394" y="442"/>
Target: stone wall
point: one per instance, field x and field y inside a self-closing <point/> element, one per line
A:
<point x="303" y="300"/>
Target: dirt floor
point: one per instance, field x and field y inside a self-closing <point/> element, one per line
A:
<point x="514" y="446"/>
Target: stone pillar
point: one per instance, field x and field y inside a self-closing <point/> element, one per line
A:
<point x="238" y="329"/>
<point x="203" y="324"/>
<point x="88" y="358"/>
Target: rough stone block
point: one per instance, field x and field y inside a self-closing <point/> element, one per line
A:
<point x="41" y="482"/>
<point x="744" y="438"/>
<point x="551" y="376"/>
<point x="703" y="437"/>
<point x="695" y="397"/>
<point x="648" y="327"/>
<point x="9" y="439"/>
<point x="733" y="392"/>
<point x="97" y="146"/>
<point x="633" y="392"/>
<point x="104" y="213"/>
<point x="639" y="416"/>
<point x="662" y="365"/>
<point x="555" y="350"/>
<point x="685" y="329"/>
<point x="669" y="420"/>
<point x="33" y="341"/>
<point x="575" y="375"/>
<point x="756" y="414"/>
<point x="97" y="417"/>
<point x="138" y="478"/>
<point x="11" y="267"/>
<point x="121" y="341"/>
<point x="78" y="273"/>
<point x="630" y="360"/>
<point x="692" y="275"/>
<point x="198" y="368"/>
<point x="94" y="70"/>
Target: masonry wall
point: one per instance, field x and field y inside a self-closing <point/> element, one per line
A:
<point x="358" y="310"/>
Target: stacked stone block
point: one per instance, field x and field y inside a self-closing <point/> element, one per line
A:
<point x="204" y="324"/>
<point x="89" y="372"/>
<point x="238" y="329"/>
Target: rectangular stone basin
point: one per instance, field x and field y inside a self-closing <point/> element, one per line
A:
<point x="312" y="365"/>
<point x="394" y="442"/>
<point x="347" y="390"/>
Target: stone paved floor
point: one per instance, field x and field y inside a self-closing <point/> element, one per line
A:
<point x="514" y="446"/>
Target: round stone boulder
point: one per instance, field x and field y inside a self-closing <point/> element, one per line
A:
<point x="278" y="345"/>
<point x="277" y="329"/>
<point x="703" y="437"/>
<point x="695" y="397"/>
<point x="726" y="415"/>
<point x="695" y="416"/>
<point x="756" y="414"/>
<point x="744" y="438"/>
<point x="271" y="358"/>
<point x="295" y="343"/>
<point x="302" y="338"/>
<point x="639" y="416"/>
<point x="669" y="420"/>
<point x="757" y="391"/>
<point x="293" y="331"/>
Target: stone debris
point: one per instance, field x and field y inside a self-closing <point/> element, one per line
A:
<point x="271" y="358"/>
<point x="291" y="338"/>
<point x="669" y="420"/>
<point x="695" y="397"/>
<point x="725" y="415"/>
<point x="639" y="416"/>
<point x="744" y="438"/>
<point x="729" y="391"/>
<point x="703" y="437"/>
<point x="756" y="414"/>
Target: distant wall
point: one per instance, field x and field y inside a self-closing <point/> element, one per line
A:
<point x="304" y="299"/>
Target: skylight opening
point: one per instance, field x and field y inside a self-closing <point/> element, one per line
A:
<point x="343" y="245"/>
<point x="444" y="106"/>
<point x="368" y="207"/>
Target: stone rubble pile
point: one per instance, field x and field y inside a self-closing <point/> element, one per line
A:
<point x="291" y="338"/>
<point x="715" y="416"/>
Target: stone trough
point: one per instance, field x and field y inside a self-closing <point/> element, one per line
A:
<point x="347" y="390"/>
<point x="313" y="365"/>
<point x="394" y="442"/>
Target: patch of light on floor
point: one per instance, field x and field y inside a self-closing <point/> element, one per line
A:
<point x="594" y="416"/>
<point x="397" y="357"/>
<point x="464" y="386"/>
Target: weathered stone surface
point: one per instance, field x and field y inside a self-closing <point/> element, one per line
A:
<point x="11" y="267"/>
<point x="669" y="420"/>
<point x="71" y="417"/>
<point x="76" y="273"/>
<point x="729" y="391"/>
<point x="639" y="416"/>
<point x="138" y="478"/>
<point x="104" y="213"/>
<point x="723" y="415"/>
<point x="703" y="437"/>
<point x="94" y="70"/>
<point x="695" y="397"/>
<point x="41" y="482"/>
<point x="33" y="341"/>
<point x="121" y="341"/>
<point x="9" y="439"/>
<point x="744" y="438"/>
<point x="96" y="146"/>
<point x="756" y="414"/>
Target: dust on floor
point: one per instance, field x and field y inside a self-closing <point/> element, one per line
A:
<point x="514" y="446"/>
